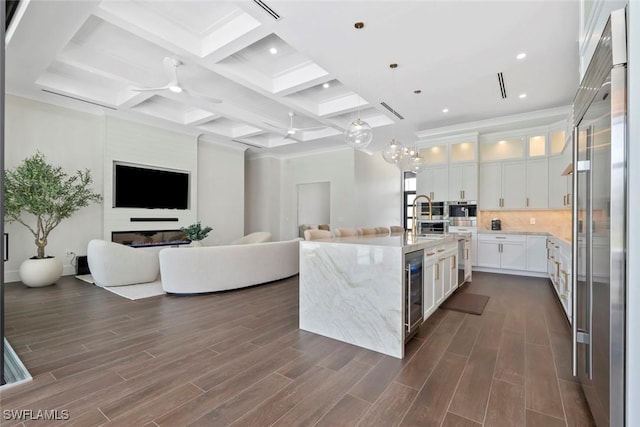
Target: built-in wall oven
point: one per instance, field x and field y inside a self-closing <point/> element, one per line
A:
<point x="439" y="210"/>
<point x="413" y="293"/>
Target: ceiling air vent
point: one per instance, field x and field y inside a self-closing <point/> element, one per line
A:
<point x="503" y="90"/>
<point x="79" y="99"/>
<point x="267" y="9"/>
<point x="394" y="112"/>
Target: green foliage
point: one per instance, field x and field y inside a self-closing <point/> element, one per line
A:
<point x="195" y="232"/>
<point x="47" y="192"/>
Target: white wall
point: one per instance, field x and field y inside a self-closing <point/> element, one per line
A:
<point x="633" y="192"/>
<point x="364" y="190"/>
<point x="67" y="138"/>
<point x="314" y="203"/>
<point x="148" y="146"/>
<point x="221" y="192"/>
<point x="263" y="181"/>
<point x="378" y="191"/>
<point x="337" y="168"/>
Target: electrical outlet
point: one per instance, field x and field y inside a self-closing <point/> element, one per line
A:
<point x="69" y="252"/>
<point x="532" y="221"/>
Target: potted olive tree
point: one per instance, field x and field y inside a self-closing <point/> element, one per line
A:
<point x="196" y="233"/>
<point x="39" y="196"/>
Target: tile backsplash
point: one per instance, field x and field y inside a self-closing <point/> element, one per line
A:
<point x="557" y="222"/>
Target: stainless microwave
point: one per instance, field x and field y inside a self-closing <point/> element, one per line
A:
<point x="439" y="210"/>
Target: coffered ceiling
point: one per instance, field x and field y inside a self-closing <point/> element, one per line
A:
<point x="243" y="71"/>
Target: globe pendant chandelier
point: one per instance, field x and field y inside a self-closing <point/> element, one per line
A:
<point x="406" y="158"/>
<point x="358" y="134"/>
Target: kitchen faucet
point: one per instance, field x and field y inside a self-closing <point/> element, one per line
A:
<point x="415" y="213"/>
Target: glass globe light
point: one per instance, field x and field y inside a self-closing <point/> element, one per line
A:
<point x="405" y="160"/>
<point x="417" y="163"/>
<point x="392" y="152"/>
<point x="358" y="134"/>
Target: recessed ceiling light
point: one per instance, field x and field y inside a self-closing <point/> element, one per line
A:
<point x="521" y="55"/>
<point x="326" y="85"/>
<point x="523" y="95"/>
<point x="273" y="51"/>
<point x="175" y="89"/>
<point x="445" y="110"/>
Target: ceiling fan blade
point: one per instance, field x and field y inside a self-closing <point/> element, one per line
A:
<point x="149" y="89"/>
<point x="171" y="69"/>
<point x="276" y="126"/>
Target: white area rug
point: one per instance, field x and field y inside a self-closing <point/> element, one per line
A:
<point x="132" y="292"/>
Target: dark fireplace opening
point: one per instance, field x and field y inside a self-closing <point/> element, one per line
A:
<point x="150" y="238"/>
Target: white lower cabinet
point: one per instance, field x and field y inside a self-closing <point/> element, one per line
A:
<point x="537" y="253"/>
<point x="559" y="269"/>
<point x="440" y="275"/>
<point x="505" y="251"/>
<point x="428" y="292"/>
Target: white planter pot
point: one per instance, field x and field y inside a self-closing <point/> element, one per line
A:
<point x="36" y="273"/>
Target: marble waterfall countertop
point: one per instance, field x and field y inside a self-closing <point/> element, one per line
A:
<point x="351" y="288"/>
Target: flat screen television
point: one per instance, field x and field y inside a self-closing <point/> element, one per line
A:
<point x="150" y="188"/>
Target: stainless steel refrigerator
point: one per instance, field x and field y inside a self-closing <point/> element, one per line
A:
<point x="599" y="226"/>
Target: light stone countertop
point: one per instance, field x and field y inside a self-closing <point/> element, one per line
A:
<point x="399" y="240"/>
<point x="566" y="239"/>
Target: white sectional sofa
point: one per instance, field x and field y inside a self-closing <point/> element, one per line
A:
<point x="192" y="270"/>
<point x="113" y="264"/>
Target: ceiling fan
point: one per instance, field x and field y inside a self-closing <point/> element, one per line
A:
<point x="291" y="130"/>
<point x="171" y="68"/>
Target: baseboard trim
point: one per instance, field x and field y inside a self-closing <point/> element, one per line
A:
<point x="511" y="272"/>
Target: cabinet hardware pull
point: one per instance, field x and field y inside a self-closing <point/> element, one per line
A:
<point x="408" y="291"/>
<point x="455" y="261"/>
<point x="462" y="194"/>
<point x="430" y="253"/>
<point x="527" y="202"/>
<point x="440" y="250"/>
<point x="500" y="237"/>
<point x="564" y="200"/>
<point x="438" y="271"/>
<point x="467" y="255"/>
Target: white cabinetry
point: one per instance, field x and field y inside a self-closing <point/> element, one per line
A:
<point x="434" y="182"/>
<point x="537" y="253"/>
<point x="559" y="269"/>
<point x="463" y="182"/>
<point x="440" y="275"/>
<point x="559" y="184"/>
<point x="502" y="185"/>
<point x="537" y="184"/>
<point x="474" y="240"/>
<point x="502" y="251"/>
<point x="429" y="293"/>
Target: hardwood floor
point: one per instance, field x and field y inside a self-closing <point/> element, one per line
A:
<point x="238" y="358"/>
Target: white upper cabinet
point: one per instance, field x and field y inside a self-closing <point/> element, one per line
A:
<point x="537" y="184"/>
<point x="452" y="169"/>
<point x="559" y="183"/>
<point x="514" y="185"/>
<point x="434" y="182"/>
<point x="463" y="182"/>
<point x="502" y="185"/>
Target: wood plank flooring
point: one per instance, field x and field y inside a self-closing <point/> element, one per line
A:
<point x="238" y="358"/>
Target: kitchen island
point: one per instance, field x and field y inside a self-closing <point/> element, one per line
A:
<point x="353" y="289"/>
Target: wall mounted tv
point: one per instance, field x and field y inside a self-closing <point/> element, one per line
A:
<point x="150" y="188"/>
